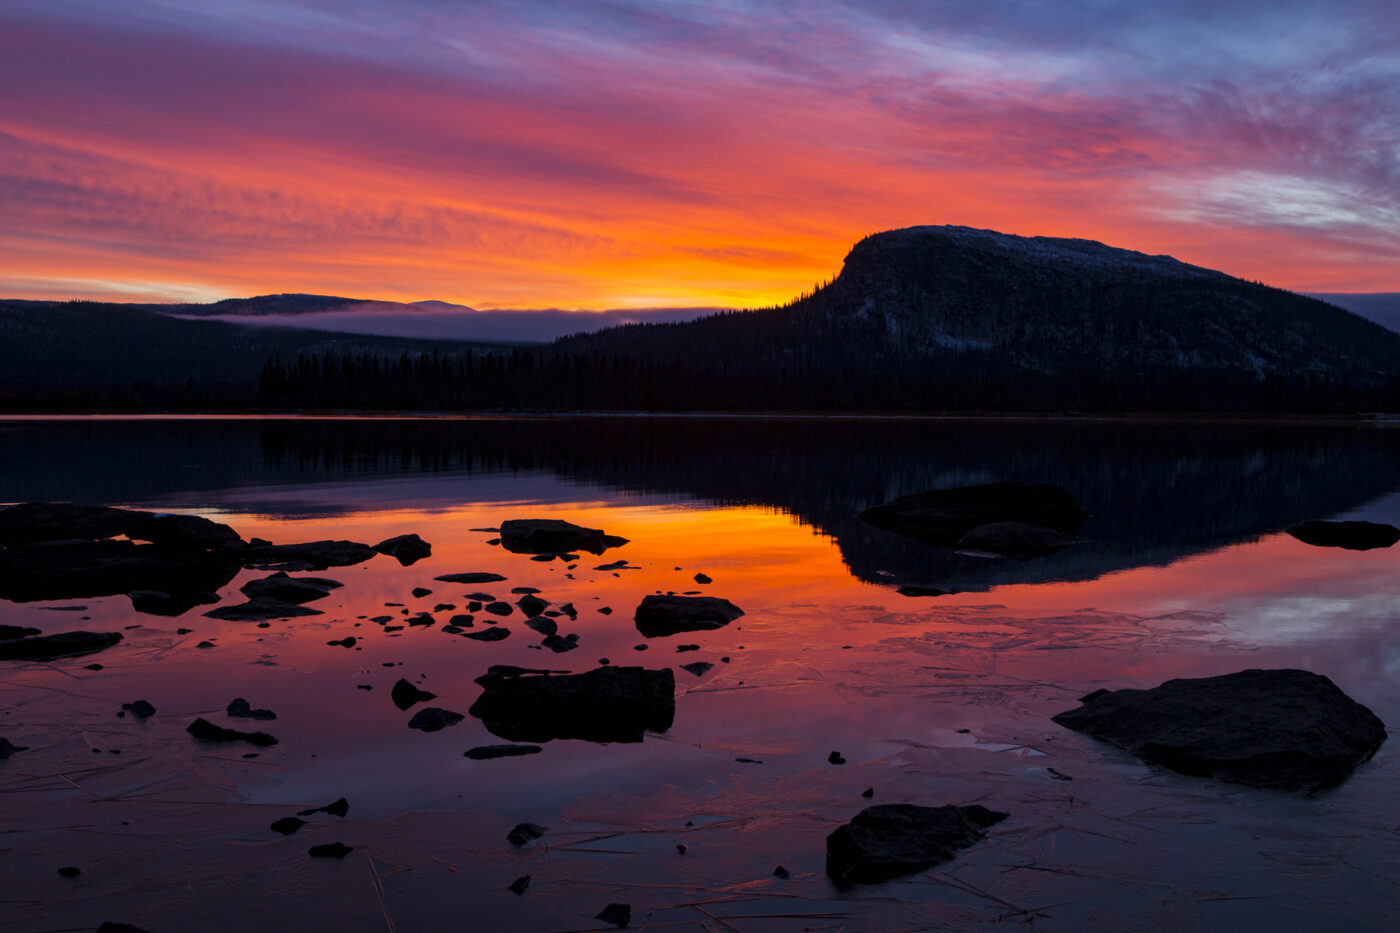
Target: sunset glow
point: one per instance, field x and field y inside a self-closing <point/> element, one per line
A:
<point x="656" y="154"/>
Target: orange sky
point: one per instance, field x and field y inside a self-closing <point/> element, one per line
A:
<point x="592" y="156"/>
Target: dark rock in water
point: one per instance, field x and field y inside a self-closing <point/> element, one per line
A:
<point x="41" y="522"/>
<point x="520" y="884"/>
<point x="183" y="533"/>
<point x="406" y="549"/>
<point x="260" y="609"/>
<point x="836" y="758"/>
<point x="702" y="579"/>
<point x="206" y="731"/>
<point x="525" y="832"/>
<point x="619" y="915"/>
<point x="335" y="850"/>
<point x="84" y="569"/>
<point x="484" y="752"/>
<point x="469" y="578"/>
<point x="1017" y="540"/>
<point x="450" y="629"/>
<point x="1286" y="729"/>
<point x="552" y="536"/>
<point x="607" y="704"/>
<point x="1354" y="536"/>
<point x="532" y="605"/>
<point x="287" y="825"/>
<point x="494" y="633"/>
<point x="498" y="608"/>
<point x="205" y="644"/>
<point x="422" y="619"/>
<point x="569" y="610"/>
<point x="658" y="616"/>
<point x="420" y="591"/>
<point x="312" y="555"/>
<point x="110" y="927"/>
<point x="615" y="565"/>
<point x="161" y="603"/>
<point x="464" y="620"/>
<point x="434" y="718"/>
<point x="944" y="516"/>
<point x="698" y="668"/>
<point x="543" y="626"/>
<point x="338" y="807"/>
<point x="682" y="649"/>
<point x="896" y="839"/>
<point x="912" y="590"/>
<point x="239" y="708"/>
<point x="60" y="645"/>
<point x="524" y="590"/>
<point x="868" y="793"/>
<point x="287" y="589"/>
<point x="69" y="871"/>
<point x="349" y="641"/>
<point x="11" y="632"/>
<point x="8" y="748"/>
<point x="141" y="709"/>
<point x="781" y="872"/>
<point x="560" y="643"/>
<point x="404" y="695"/>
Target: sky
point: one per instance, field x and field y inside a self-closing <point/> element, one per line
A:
<point x="642" y="154"/>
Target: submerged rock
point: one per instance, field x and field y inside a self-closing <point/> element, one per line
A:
<point x="161" y="603"/>
<point x="1287" y="729"/>
<point x="141" y="709"/>
<point x="8" y="748"/>
<point x="943" y="516"/>
<point x="405" y="694"/>
<point x="553" y="536"/>
<point x="11" y="632"/>
<point x="560" y="643"/>
<point x="335" y="850"/>
<point x="406" y="549"/>
<point x="286" y="589"/>
<point x="698" y="668"/>
<point x="619" y="915"/>
<point x="607" y="704"/>
<point x="525" y="832"/>
<point x="1017" y="540"/>
<point x="658" y="616"/>
<point x="1354" y="536"/>
<point x="239" y="708"/>
<point x="543" y="626"/>
<point x="434" y="719"/>
<point x="287" y="825"/>
<point x="338" y="807"/>
<point x="60" y="645"/>
<point x="261" y="609"/>
<point x="494" y="633"/>
<point x="892" y="840"/>
<point x="206" y="731"/>
<point x="519" y="885"/>
<point x="485" y="752"/>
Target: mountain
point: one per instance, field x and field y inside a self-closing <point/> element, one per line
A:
<point x="1381" y="307"/>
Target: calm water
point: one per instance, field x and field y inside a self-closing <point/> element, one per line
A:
<point x="1186" y="571"/>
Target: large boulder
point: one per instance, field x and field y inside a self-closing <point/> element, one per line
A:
<point x="60" y="645"/>
<point x="607" y="704"/>
<point x="944" y="516"/>
<point x="1287" y="729"/>
<point x="897" y="839"/>
<point x="184" y="532"/>
<point x="1354" y="536"/>
<point x="658" y="615"/>
<point x="40" y="522"/>
<point x="287" y="589"/>
<point x="553" y="536"/>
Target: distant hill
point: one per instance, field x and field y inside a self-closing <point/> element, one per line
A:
<point x="1381" y="307"/>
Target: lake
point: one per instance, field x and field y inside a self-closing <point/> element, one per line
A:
<point x="1185" y="571"/>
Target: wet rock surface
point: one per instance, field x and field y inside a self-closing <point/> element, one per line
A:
<point x="406" y="549"/>
<point x="943" y="516"/>
<point x="311" y="555"/>
<point x="288" y="589"/>
<point x="619" y="915"/>
<point x="470" y="577"/>
<point x="434" y="719"/>
<point x="606" y="704"/>
<point x="239" y="708"/>
<point x="183" y="532"/>
<point x="160" y="603"/>
<point x="1354" y="536"/>
<point x="206" y="731"/>
<point x="554" y="536"/>
<point x="405" y="695"/>
<point x="335" y="850"/>
<point x="659" y="616"/>
<point x="11" y="632"/>
<point x="486" y="752"/>
<point x="524" y="833"/>
<point x="261" y="609"/>
<point x="1286" y="729"/>
<point x="40" y="522"/>
<point x="8" y="748"/>
<point x="889" y="841"/>
<point x="59" y="645"/>
<point x="85" y="569"/>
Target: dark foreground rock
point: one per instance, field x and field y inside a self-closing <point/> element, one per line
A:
<point x="892" y="840"/>
<point x="11" y="632"/>
<point x="1017" y="540"/>
<point x="284" y="588"/>
<point x="60" y="645"/>
<point x="658" y="616"/>
<point x="619" y="915"/>
<point x="470" y="578"/>
<point x="89" y="569"/>
<point x="405" y="695"/>
<point x="261" y="609"/>
<point x="38" y="522"/>
<point x="1286" y="729"/>
<point x="160" y="603"/>
<point x="312" y="555"/>
<point x="206" y="731"/>
<point x="183" y="532"/>
<point x="239" y="708"/>
<point x="485" y="752"/>
<point x="553" y="536"/>
<point x="8" y="748"/>
<point x="525" y="832"/>
<point x="406" y="549"/>
<point x="335" y="850"/>
<point x="434" y="719"/>
<point x="1354" y="536"/>
<point x="607" y="704"/>
<point x="944" y="516"/>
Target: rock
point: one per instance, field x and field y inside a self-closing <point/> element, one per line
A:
<point x="260" y="609"/>
<point x="519" y="884"/>
<point x="336" y="850"/>
<point x="607" y="704"/>
<point x="287" y="825"/>
<point x="525" y="832"/>
<point x="434" y="718"/>
<point x="543" y="626"/>
<point x="60" y="645"/>
<point x="532" y="605"/>
<point x="206" y="731"/>
<point x="463" y="621"/>
<point x="569" y="610"/>
<point x="560" y="643"/>
<point x="69" y="871"/>
<point x="287" y="589"/>
<point x="11" y="632"/>
<point x="239" y="708"/>
<point x="619" y="915"/>
<point x="141" y="709"/>
<point x="943" y="516"/>
<point x="781" y="872"/>
<point x="405" y="694"/>
<point x="553" y="536"/>
<point x="422" y="619"/>
<point x="312" y="555"/>
<point x="484" y="752"/>
<point x="85" y="569"/>
<point x="524" y="590"/>
<point x="420" y="591"/>
<point x="1354" y="536"/>
<point x="406" y="549"/>
<point x="912" y="590"/>
<point x="667" y="615"/>
<point x="498" y="608"/>
<point x="702" y="579"/>
<point x="183" y="532"/>
<point x="42" y="522"/>
<point x="698" y="668"/>
<point x="8" y="748"/>
<point x="161" y="603"/>
<point x="110" y="927"/>
<point x="1287" y="729"/>
<point x="682" y="649"/>
<point x="616" y="565"/>
<point x="470" y="578"/>
<point x="338" y="807"/>
<point x="349" y="641"/>
<point x="896" y="839"/>
<point x="494" y="633"/>
<point x="1017" y="540"/>
<point x="836" y="758"/>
